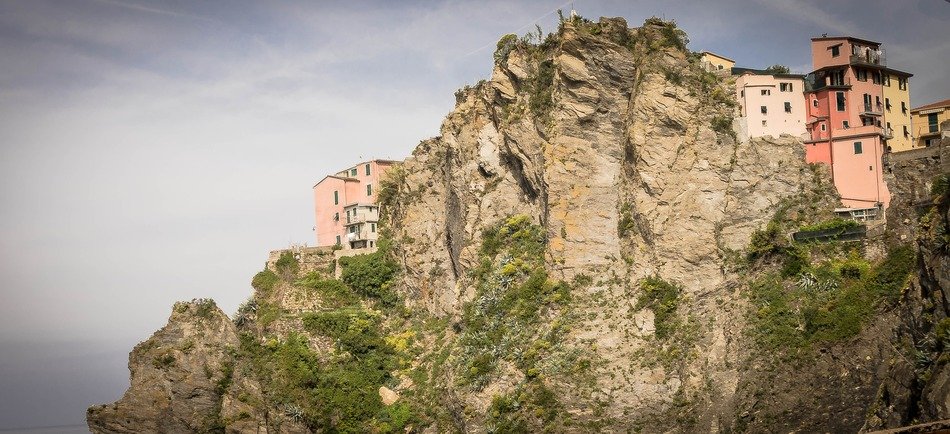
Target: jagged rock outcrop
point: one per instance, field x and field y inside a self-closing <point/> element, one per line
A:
<point x="178" y="376"/>
<point x="585" y="247"/>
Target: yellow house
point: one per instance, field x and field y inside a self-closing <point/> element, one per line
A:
<point x="897" y="110"/>
<point x="927" y="120"/>
<point x="714" y="62"/>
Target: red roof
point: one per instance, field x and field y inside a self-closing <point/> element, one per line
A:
<point x="938" y="104"/>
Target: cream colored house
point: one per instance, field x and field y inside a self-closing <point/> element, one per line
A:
<point x="770" y="104"/>
<point x="714" y="62"/>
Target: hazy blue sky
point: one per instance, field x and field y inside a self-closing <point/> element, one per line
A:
<point x="156" y="151"/>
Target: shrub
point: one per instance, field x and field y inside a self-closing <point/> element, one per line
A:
<point x="371" y="275"/>
<point x="264" y="281"/>
<point x="662" y="298"/>
<point x="777" y="69"/>
<point x="889" y="278"/>
<point x="504" y="47"/>
<point x="723" y="125"/>
<point x="836" y="223"/>
<point x="542" y="85"/>
<point x="333" y="292"/>
<point x="766" y="242"/>
<point x="287" y="265"/>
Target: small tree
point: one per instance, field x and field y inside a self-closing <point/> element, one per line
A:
<point x="777" y="69"/>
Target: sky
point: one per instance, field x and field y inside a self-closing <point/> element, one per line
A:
<point x="157" y="151"/>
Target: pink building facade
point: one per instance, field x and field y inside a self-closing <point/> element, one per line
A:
<point x="345" y="207"/>
<point x="845" y="107"/>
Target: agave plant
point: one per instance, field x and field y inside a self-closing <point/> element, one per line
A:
<point x="294" y="412"/>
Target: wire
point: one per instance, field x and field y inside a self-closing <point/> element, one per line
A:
<point x="519" y="29"/>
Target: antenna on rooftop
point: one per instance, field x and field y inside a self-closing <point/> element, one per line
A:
<point x="573" y="12"/>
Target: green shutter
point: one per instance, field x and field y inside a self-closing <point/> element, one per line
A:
<point x="336" y="197"/>
<point x="369" y="189"/>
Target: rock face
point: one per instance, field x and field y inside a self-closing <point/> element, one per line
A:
<point x="178" y="376"/>
<point x="620" y="140"/>
<point x="624" y="300"/>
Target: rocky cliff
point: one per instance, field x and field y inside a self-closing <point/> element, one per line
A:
<point x="585" y="247"/>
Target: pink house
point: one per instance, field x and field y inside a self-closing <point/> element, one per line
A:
<point x="345" y="207"/>
<point x="845" y="106"/>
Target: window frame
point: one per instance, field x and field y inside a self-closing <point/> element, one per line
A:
<point x="858" y="148"/>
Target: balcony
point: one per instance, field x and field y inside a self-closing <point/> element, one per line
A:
<point x="816" y="83"/>
<point x="873" y="110"/>
<point x="362" y="218"/>
<point x="928" y="130"/>
<point x="869" y="58"/>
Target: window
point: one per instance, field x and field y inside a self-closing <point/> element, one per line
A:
<point x="367" y="170"/>
<point x="887" y="103"/>
<point x="932" y="123"/>
<point x="742" y="93"/>
<point x="814" y="103"/>
<point x="788" y="107"/>
<point x="720" y="66"/>
<point x="823" y="128"/>
<point x="862" y="74"/>
<point x="765" y="110"/>
<point x="845" y="124"/>
<point x="839" y="97"/>
<point x="338" y="240"/>
<point x="336" y="217"/>
<point x="766" y="92"/>
<point x="336" y="197"/>
<point x="785" y="87"/>
<point x="369" y="189"/>
<point x="887" y="80"/>
<point x="906" y="132"/>
<point x="857" y="148"/>
<point x="902" y="83"/>
<point x="764" y="124"/>
<point x="876" y="77"/>
<point x="353" y="172"/>
<point x="835" y="51"/>
<point x="353" y="229"/>
<point x="371" y="244"/>
<point x="372" y="227"/>
<point x="903" y="107"/>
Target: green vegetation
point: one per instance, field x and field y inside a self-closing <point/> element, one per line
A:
<point x="287" y="265"/>
<point x="264" y="281"/>
<point x="164" y="361"/>
<point x="830" y="300"/>
<point x="672" y="35"/>
<point x="542" y="84"/>
<point x="516" y="314"/>
<point x="531" y="408"/>
<point x="836" y="223"/>
<point x="504" y="47"/>
<point x="662" y="298"/>
<point x="940" y="185"/>
<point x="723" y="125"/>
<point x="333" y="293"/>
<point x="335" y="391"/>
<point x="626" y="225"/>
<point x="370" y="275"/>
<point x="777" y="69"/>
